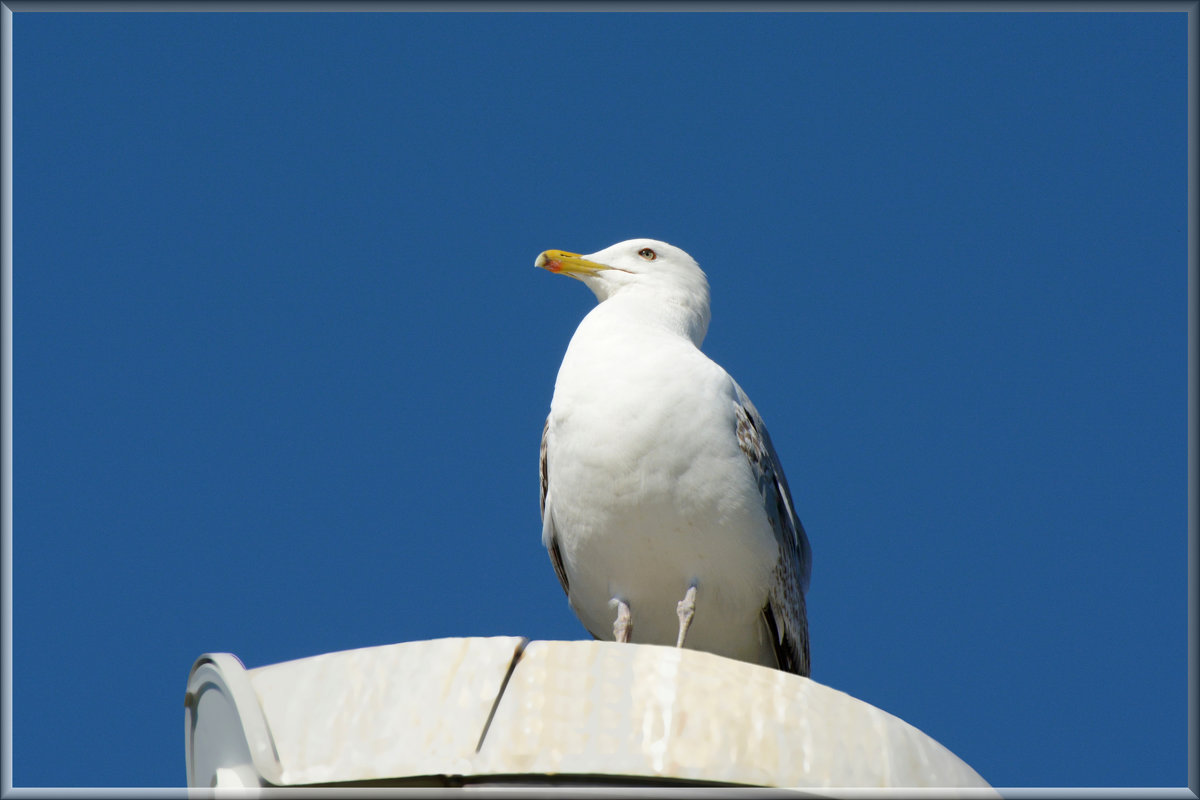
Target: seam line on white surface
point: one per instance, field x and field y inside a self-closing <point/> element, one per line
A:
<point x="512" y="665"/>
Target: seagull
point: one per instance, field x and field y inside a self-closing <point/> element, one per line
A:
<point x="665" y="510"/>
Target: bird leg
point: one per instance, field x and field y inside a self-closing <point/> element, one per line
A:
<point x="687" y="609"/>
<point x="623" y="627"/>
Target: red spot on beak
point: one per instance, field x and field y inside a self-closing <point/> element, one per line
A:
<point x="554" y="265"/>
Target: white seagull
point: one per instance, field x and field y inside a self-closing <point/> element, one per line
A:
<point x="664" y="507"/>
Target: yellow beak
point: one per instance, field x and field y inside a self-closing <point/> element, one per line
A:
<point x="571" y="264"/>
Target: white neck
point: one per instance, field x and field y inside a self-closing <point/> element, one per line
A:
<point x="680" y="313"/>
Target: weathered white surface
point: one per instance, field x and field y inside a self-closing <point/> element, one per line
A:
<point x="381" y="712"/>
<point x="568" y="709"/>
<point x="602" y="707"/>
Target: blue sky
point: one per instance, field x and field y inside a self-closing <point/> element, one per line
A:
<point x="282" y="359"/>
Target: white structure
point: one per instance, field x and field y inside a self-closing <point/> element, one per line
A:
<point x="503" y="710"/>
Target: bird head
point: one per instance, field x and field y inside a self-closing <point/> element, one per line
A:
<point x="653" y="274"/>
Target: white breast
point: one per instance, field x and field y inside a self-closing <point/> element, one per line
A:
<point x="649" y="491"/>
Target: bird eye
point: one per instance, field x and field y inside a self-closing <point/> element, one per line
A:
<point x="647" y="254"/>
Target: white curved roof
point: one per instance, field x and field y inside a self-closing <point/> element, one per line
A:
<point x="494" y="710"/>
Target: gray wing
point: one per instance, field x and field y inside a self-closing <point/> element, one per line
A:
<point x="784" y="614"/>
<point x="549" y="534"/>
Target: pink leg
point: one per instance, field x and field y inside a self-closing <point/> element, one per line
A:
<point x="687" y="609"/>
<point x="623" y="627"/>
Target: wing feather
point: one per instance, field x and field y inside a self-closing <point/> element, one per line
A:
<point x="784" y="613"/>
<point x="549" y="534"/>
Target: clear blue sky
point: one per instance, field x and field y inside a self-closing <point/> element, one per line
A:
<point x="282" y="358"/>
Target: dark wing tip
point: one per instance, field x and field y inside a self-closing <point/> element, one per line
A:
<point x="791" y="655"/>
<point x="557" y="562"/>
<point x="543" y="473"/>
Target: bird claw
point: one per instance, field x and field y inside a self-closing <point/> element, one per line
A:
<point x="686" y="609"/>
